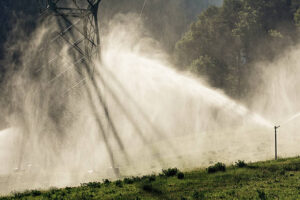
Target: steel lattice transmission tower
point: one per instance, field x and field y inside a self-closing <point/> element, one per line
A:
<point x="74" y="24"/>
<point x="66" y="60"/>
<point x="76" y="27"/>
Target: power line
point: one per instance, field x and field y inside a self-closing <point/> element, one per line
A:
<point x="143" y="8"/>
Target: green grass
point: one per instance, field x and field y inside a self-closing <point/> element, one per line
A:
<point x="262" y="180"/>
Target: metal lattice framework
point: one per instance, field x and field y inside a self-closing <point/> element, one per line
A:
<point x="72" y="12"/>
<point x="74" y="24"/>
<point x="77" y="27"/>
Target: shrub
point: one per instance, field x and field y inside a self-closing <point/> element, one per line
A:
<point x="21" y="194"/>
<point x="53" y="190"/>
<point x="83" y="196"/>
<point x="119" y="183"/>
<point x="180" y="175"/>
<point x="106" y="182"/>
<point x="27" y="193"/>
<point x="36" y="193"/>
<point x="47" y="195"/>
<point x="129" y="180"/>
<point x="149" y="178"/>
<point x="92" y="184"/>
<point x="152" y="178"/>
<point x="132" y="179"/>
<point x="240" y="164"/>
<point x="216" y="168"/>
<point x="136" y="178"/>
<point x="170" y="172"/>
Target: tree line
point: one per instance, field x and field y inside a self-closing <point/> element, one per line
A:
<point x="224" y="42"/>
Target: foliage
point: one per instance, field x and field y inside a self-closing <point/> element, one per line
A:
<point x="170" y="172"/>
<point x="261" y="180"/>
<point x="106" y="181"/>
<point x="129" y="180"/>
<point x="27" y="193"/>
<point x="119" y="183"/>
<point x="151" y="178"/>
<point x="180" y="175"/>
<point x="36" y="193"/>
<point x="92" y="184"/>
<point x="218" y="167"/>
<point x="240" y="164"/>
<point x="224" y="42"/>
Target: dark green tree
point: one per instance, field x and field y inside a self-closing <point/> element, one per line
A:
<point x="224" y="42"/>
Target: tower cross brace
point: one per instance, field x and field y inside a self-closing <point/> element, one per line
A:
<point x="78" y="27"/>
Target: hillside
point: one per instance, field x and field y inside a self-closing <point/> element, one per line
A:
<point x="141" y="86"/>
<point x="262" y="180"/>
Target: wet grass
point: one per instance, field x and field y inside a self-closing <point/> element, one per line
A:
<point x="262" y="180"/>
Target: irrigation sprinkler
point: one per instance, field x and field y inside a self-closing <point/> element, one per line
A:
<point x="276" y="127"/>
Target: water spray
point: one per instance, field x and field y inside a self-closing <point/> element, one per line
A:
<point x="276" y="127"/>
<point x="140" y="120"/>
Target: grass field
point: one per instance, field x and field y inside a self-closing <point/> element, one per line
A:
<point x="262" y="180"/>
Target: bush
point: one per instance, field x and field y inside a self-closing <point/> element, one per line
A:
<point x="47" y="195"/>
<point x="216" y="168"/>
<point x="129" y="180"/>
<point x="53" y="190"/>
<point x="21" y="194"/>
<point x="136" y="179"/>
<point x="150" y="178"/>
<point x="92" y="184"/>
<point x="36" y="193"/>
<point x="27" y="193"/>
<point x="119" y="183"/>
<point x="240" y="164"/>
<point x="82" y="196"/>
<point x="170" y="172"/>
<point x="180" y="175"/>
<point x="132" y="179"/>
<point x="106" y="182"/>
